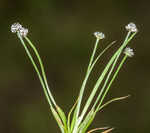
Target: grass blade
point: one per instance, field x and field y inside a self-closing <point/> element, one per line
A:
<point x="62" y="116"/>
<point x="87" y="121"/>
<point x="100" y="79"/>
<point x="69" y="115"/>
<point x="113" y="78"/>
<point x="95" y="129"/>
<point x="113" y="100"/>
<point x="57" y="118"/>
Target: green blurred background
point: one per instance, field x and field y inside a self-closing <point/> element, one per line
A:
<point x="63" y="33"/>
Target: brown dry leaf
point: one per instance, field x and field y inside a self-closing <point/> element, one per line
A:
<point x="108" y="130"/>
<point x="95" y="129"/>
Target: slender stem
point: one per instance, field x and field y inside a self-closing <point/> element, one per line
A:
<point x="110" y="83"/>
<point x="97" y="58"/>
<point x="100" y="79"/>
<point x="96" y="87"/>
<point x="105" y="83"/>
<point x="93" y="54"/>
<point x="36" y="69"/>
<point x="42" y="69"/>
<point x="127" y="39"/>
<point x="42" y="82"/>
<point x="84" y="84"/>
<point x="107" y="78"/>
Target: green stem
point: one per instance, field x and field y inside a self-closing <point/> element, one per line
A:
<point x="85" y="80"/>
<point x="42" y="69"/>
<point x="107" y="78"/>
<point x="105" y="83"/>
<point x="46" y="92"/>
<point x="36" y="68"/>
<point x="93" y="54"/>
<point x="110" y="83"/>
<point x="100" y="79"/>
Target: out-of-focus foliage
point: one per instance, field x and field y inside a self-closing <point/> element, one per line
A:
<point x="63" y="32"/>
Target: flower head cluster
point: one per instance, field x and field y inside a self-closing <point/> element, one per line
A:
<point x="99" y="35"/>
<point x="131" y="27"/>
<point x="129" y="52"/>
<point x="16" y="27"/>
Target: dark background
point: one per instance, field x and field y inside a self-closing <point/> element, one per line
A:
<point x="62" y="30"/>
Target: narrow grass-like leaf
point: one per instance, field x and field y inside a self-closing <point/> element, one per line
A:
<point x="100" y="79"/>
<point x="113" y="100"/>
<point x="69" y="115"/>
<point x="108" y="130"/>
<point x="97" y="58"/>
<point x="97" y="99"/>
<point x="113" y="78"/>
<point x="95" y="129"/>
<point x="73" y="120"/>
<point x="57" y="118"/>
<point x="62" y="116"/>
<point x="107" y="79"/>
<point x="96" y="87"/>
<point x="91" y="66"/>
<point x="85" y="81"/>
<point x="87" y="121"/>
<point x="105" y="83"/>
<point x="108" y="76"/>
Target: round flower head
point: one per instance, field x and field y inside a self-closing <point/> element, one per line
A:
<point x="15" y="27"/>
<point x="99" y="35"/>
<point x="23" y="32"/>
<point x="129" y="52"/>
<point x="131" y="27"/>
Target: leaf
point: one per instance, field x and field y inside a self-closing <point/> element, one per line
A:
<point x="62" y="116"/>
<point x="95" y="129"/>
<point x="97" y="58"/>
<point x="73" y="119"/>
<point x="107" y="131"/>
<point x="87" y="121"/>
<point x="89" y="70"/>
<point x="113" y="100"/>
<point x="57" y="118"/>
<point x="69" y="115"/>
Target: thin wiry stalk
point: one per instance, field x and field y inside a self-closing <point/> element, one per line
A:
<point x="104" y="73"/>
<point x="42" y="69"/>
<point x="46" y="92"/>
<point x="93" y="54"/>
<point x="98" y="57"/>
<point x="36" y="69"/>
<point x="105" y="83"/>
<point x="107" y="79"/>
<point x="84" y="84"/>
<point x="91" y="65"/>
<point x="86" y="78"/>
<point x="110" y="83"/>
<point x="112" y="100"/>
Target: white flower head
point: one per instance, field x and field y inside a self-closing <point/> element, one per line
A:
<point x="129" y="52"/>
<point x="23" y="32"/>
<point x="131" y="27"/>
<point x="99" y="35"/>
<point x="15" y="27"/>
